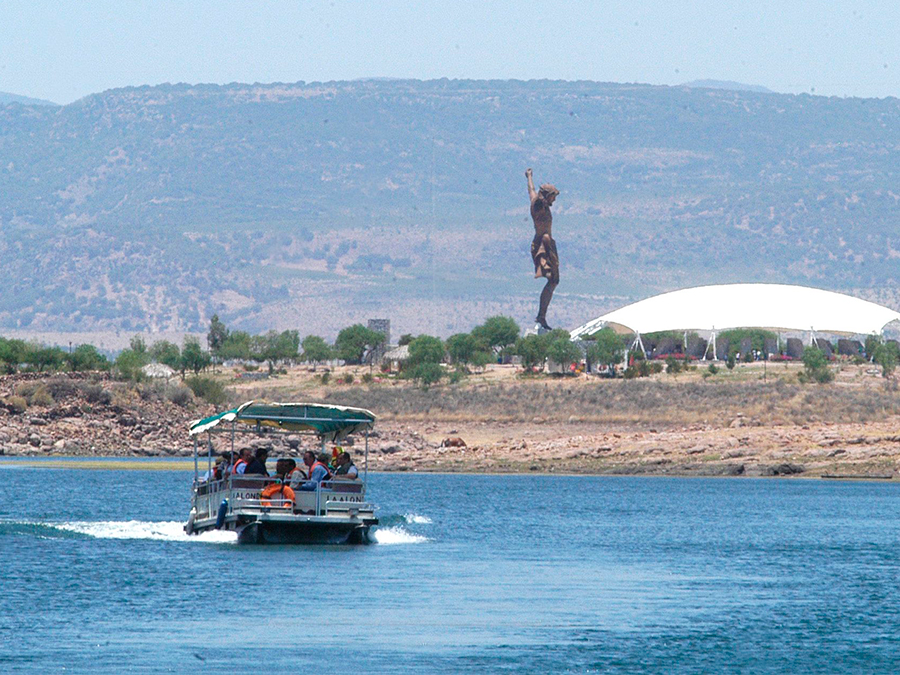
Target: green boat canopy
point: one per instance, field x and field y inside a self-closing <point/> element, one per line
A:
<point x="330" y="422"/>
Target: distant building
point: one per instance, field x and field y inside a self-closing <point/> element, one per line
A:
<point x="382" y="326"/>
<point x="157" y="371"/>
<point x="396" y="357"/>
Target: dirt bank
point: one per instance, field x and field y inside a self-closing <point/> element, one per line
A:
<point x="736" y="424"/>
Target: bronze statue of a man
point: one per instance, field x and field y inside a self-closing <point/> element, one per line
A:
<point x="543" y="247"/>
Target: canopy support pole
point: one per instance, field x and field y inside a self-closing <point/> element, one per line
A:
<point x="196" y="468"/>
<point x="366" y="467"/>
<point x="209" y="453"/>
<point x="638" y="343"/>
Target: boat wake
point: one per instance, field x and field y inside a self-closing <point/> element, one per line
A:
<point x="416" y="519"/>
<point x="170" y="530"/>
<point x="397" y="535"/>
<point x="173" y="530"/>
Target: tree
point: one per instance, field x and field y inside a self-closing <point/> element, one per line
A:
<point x="167" y="353"/>
<point x="45" y="358"/>
<point x="355" y="341"/>
<point x="607" y="348"/>
<point x="236" y="346"/>
<point x="193" y="357"/>
<point x="217" y="335"/>
<point x="481" y="358"/>
<point x="86" y="357"/>
<point x="563" y="351"/>
<point x="497" y="333"/>
<point x="405" y="339"/>
<point x="274" y="347"/>
<point x="461" y="347"/>
<point x="425" y="373"/>
<point x="533" y="351"/>
<point x="886" y="355"/>
<point x="316" y="350"/>
<point x="12" y="353"/>
<point x="129" y="362"/>
<point x="873" y="342"/>
<point x="815" y="365"/>
<point x="425" y="349"/>
<point x="138" y="345"/>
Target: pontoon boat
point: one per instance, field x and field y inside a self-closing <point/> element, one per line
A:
<point x="335" y="512"/>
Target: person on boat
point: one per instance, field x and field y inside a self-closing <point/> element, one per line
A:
<point x="294" y="475"/>
<point x="318" y="471"/>
<point x="257" y="465"/>
<point x="346" y="469"/>
<point x="216" y="472"/>
<point x="240" y="466"/>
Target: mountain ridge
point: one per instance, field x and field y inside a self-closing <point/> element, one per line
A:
<point x="314" y="205"/>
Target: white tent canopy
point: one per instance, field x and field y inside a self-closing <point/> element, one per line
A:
<point x="775" y="306"/>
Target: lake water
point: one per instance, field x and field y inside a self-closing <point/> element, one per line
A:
<point x="471" y="574"/>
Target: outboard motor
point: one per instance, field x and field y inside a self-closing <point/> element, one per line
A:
<point x="220" y="516"/>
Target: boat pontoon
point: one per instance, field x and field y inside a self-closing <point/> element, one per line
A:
<point x="335" y="512"/>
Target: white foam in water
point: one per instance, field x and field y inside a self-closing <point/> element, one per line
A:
<point x="171" y="530"/>
<point x="415" y="518"/>
<point x="397" y="535"/>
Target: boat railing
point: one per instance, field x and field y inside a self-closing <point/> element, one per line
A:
<point x="242" y="493"/>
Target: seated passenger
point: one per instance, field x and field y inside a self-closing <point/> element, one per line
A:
<point x="294" y="474"/>
<point x="317" y="471"/>
<point x="240" y="466"/>
<point x="257" y="466"/>
<point x="346" y="469"/>
<point x="215" y="473"/>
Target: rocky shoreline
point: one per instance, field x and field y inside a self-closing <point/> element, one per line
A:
<point x="78" y="415"/>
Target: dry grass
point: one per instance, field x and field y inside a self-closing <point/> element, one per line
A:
<point x="856" y="396"/>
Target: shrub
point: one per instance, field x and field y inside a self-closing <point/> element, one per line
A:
<point x="325" y="377"/>
<point x="426" y="374"/>
<point x="729" y="362"/>
<point x="16" y="404"/>
<point x="180" y="395"/>
<point x="35" y="393"/>
<point x="456" y="376"/>
<point x="644" y="368"/>
<point x="712" y="369"/>
<point x="207" y="388"/>
<point x="367" y="378"/>
<point x="348" y="378"/>
<point x="655" y="367"/>
<point x="62" y="387"/>
<point x="673" y="365"/>
<point x="250" y="367"/>
<point x="94" y="393"/>
<point x="630" y="373"/>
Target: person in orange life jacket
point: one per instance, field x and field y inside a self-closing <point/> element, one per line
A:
<point x="346" y="469"/>
<point x="317" y="471"/>
<point x="257" y="465"/>
<point x="240" y="466"/>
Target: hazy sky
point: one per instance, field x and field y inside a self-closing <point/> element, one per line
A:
<point x="65" y="49"/>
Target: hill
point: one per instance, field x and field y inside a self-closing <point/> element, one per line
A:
<point x="6" y="97"/>
<point x="313" y="205"/>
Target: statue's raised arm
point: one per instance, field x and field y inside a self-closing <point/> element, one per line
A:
<point x="532" y="193"/>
